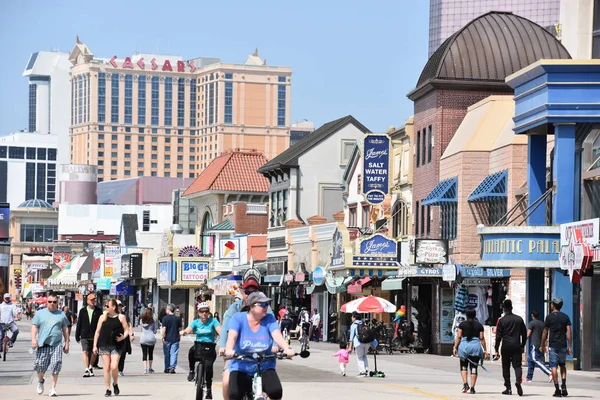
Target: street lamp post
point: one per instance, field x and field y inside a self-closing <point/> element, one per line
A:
<point x="175" y="228"/>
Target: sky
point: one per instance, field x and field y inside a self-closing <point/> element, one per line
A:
<point x="347" y="57"/>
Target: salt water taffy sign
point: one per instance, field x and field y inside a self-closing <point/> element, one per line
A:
<point x="376" y="168"/>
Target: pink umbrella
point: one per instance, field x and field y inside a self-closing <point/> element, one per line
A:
<point x="369" y="304"/>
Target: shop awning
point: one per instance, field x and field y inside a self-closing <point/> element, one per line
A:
<point x="102" y="283"/>
<point x="492" y="187"/>
<point x="356" y="287"/>
<point x="68" y="276"/>
<point x="337" y="285"/>
<point x="121" y="288"/>
<point x="392" y="283"/>
<point x="445" y="192"/>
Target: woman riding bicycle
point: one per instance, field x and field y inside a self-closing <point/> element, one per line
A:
<point x="206" y="330"/>
<point x="251" y="331"/>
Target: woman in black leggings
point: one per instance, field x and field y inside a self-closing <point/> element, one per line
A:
<point x="148" y="339"/>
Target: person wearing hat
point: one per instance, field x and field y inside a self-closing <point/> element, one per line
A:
<point x="8" y="313"/>
<point x="557" y="330"/>
<point x="254" y="331"/>
<point x="249" y="285"/>
<point x="512" y="333"/>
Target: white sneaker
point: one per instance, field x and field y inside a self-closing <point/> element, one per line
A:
<point x="550" y="380"/>
<point x="40" y="387"/>
<point x="91" y="371"/>
<point x="52" y="393"/>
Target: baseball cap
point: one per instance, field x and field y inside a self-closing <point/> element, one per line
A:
<point x="256" y="297"/>
<point x="250" y="282"/>
<point x="7" y="295"/>
<point x="558" y="302"/>
<point x="119" y="302"/>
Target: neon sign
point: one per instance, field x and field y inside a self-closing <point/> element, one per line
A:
<point x="166" y="66"/>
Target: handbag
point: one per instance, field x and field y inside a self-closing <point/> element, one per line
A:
<point x="115" y="334"/>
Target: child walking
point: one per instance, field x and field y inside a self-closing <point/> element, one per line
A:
<point x="343" y="357"/>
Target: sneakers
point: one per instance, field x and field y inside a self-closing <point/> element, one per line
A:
<point x="40" y="387"/>
<point x="557" y="393"/>
<point x="519" y="389"/>
<point x="52" y="393"/>
<point x="108" y="393"/>
<point x="472" y="391"/>
<point x="190" y="376"/>
<point x="465" y="388"/>
<point x="121" y="373"/>
<point x="91" y="371"/>
<point x="563" y="391"/>
<point x="507" y="391"/>
<point x="208" y="394"/>
<point x="145" y="371"/>
<point x="172" y="371"/>
<point x="86" y="373"/>
<point x="116" y="389"/>
<point x="11" y="343"/>
<point x="150" y="370"/>
<point x="527" y="381"/>
<point x="362" y="374"/>
<point x="550" y="380"/>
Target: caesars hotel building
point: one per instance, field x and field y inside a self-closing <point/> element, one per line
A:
<point x="156" y="115"/>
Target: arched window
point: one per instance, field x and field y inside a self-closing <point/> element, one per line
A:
<point x="400" y="219"/>
<point x="206" y="222"/>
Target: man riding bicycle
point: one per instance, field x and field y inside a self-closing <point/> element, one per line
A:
<point x="254" y="331"/>
<point x="206" y="330"/>
<point x="8" y="313"/>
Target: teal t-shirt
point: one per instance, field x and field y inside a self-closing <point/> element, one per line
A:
<point x="206" y="332"/>
<point x="50" y="326"/>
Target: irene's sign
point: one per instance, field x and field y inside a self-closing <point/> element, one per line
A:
<point x="520" y="247"/>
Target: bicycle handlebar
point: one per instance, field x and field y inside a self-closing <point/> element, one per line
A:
<point x="260" y="357"/>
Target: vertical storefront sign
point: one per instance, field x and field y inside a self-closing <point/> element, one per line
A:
<point x="111" y="253"/>
<point x="376" y="168"/>
<point x="98" y="263"/>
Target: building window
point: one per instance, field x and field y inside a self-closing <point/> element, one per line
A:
<point x="146" y="221"/>
<point x="279" y="205"/>
<point x="30" y="153"/>
<point x="429" y="143"/>
<point x="32" y="107"/>
<point x="39" y="233"/>
<point x="114" y="98"/>
<point x="428" y="223"/>
<point x="30" y="181"/>
<point x="352" y="217"/>
<point x="128" y="99"/>
<point x="168" y="101"/>
<point x="228" y="102"/>
<point x="155" y="102"/>
<point x="16" y="152"/>
<point x="141" y="101"/>
<point x="497" y="209"/>
<point x="281" y="94"/>
<point x="181" y="102"/>
<point x="347" y="148"/>
<point x="127" y="172"/>
<point x="365" y="216"/>
<point x="193" y="110"/>
<point x="449" y="220"/>
<point x="41" y="181"/>
<point x="101" y="97"/>
<point x="52" y="154"/>
<point x="417" y="218"/>
<point x="79" y="99"/>
<point x="41" y="153"/>
<point x="418" y="150"/>
<point x="211" y="103"/>
<point x="400" y="219"/>
<point x="424" y="146"/>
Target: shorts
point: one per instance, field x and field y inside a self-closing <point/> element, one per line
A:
<point x="226" y="365"/>
<point x="557" y="357"/>
<point x="87" y="344"/>
<point x="48" y="357"/>
<point x="109" y="351"/>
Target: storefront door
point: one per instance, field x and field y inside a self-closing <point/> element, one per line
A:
<point x="596" y="322"/>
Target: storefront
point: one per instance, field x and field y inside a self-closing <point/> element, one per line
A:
<point x="225" y="289"/>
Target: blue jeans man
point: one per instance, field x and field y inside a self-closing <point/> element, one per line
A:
<point x="171" y="351"/>
<point x="536" y="359"/>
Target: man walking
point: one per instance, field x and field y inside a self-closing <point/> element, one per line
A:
<point x="8" y="313"/>
<point x="536" y="357"/>
<point x="361" y="338"/>
<point x="511" y="332"/>
<point x="557" y="328"/>
<point x="315" y="322"/>
<point x="171" y="325"/>
<point x="48" y="329"/>
<point x="87" y="321"/>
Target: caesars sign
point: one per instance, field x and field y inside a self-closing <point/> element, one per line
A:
<point x="178" y="66"/>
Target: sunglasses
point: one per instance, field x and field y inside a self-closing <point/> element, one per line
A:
<point x="263" y="304"/>
<point x="203" y="311"/>
<point x="248" y="292"/>
<point x="52" y="302"/>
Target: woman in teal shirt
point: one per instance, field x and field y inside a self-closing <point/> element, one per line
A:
<point x="206" y="330"/>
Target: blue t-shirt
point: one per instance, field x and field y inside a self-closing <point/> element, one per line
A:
<point x="50" y="325"/>
<point x="206" y="332"/>
<point x="249" y="342"/>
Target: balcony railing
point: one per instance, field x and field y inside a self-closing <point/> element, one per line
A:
<point x="260" y="209"/>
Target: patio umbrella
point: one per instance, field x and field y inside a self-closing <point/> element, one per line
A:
<point x="369" y="304"/>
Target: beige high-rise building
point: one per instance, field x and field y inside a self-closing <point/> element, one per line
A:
<point x="158" y="115"/>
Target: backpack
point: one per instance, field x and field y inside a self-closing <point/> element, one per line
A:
<point x="364" y="333"/>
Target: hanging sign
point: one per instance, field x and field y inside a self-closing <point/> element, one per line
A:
<point x="376" y="168"/>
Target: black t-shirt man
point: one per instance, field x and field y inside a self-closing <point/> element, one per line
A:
<point x="557" y="323"/>
<point x="536" y="327"/>
<point x="172" y="325"/>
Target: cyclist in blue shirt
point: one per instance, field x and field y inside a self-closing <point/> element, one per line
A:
<point x="206" y="330"/>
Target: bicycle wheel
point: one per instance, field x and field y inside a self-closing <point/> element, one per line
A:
<point x="199" y="381"/>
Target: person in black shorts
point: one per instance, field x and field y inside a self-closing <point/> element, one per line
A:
<point x="87" y="321"/>
<point x="470" y="346"/>
<point x="557" y="330"/>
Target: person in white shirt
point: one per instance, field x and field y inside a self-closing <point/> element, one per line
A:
<point x="314" y="326"/>
<point x="304" y="320"/>
<point x="8" y="313"/>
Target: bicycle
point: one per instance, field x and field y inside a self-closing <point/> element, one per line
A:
<point x="257" y="392"/>
<point x="304" y="339"/>
<point x="200" y="378"/>
<point x="4" y="328"/>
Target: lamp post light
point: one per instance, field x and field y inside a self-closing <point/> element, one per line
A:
<point x="175" y="229"/>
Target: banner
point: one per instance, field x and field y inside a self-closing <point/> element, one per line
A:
<point x="376" y="168"/>
<point x="98" y="264"/>
<point x="4" y="220"/>
<point x="111" y="253"/>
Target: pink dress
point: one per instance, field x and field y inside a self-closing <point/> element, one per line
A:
<point x="342" y="355"/>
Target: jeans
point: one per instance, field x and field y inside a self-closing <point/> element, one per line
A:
<point x="13" y="328"/>
<point x="536" y="359"/>
<point x="171" y="350"/>
<point x="361" y="357"/>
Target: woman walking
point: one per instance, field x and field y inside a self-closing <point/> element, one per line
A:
<point x="148" y="339"/>
<point x="108" y="342"/>
<point x="470" y="346"/>
<point x="127" y="344"/>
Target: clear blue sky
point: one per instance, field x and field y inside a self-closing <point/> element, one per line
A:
<point x="348" y="57"/>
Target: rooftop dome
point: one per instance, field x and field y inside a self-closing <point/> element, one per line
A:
<point x="490" y="48"/>
<point x="35" y="203"/>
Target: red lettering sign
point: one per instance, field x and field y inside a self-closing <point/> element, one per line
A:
<point x="154" y="64"/>
<point x="167" y="66"/>
<point x="127" y="63"/>
<point x="192" y="66"/>
<point x="141" y="64"/>
<point x="112" y="62"/>
<point x="180" y="66"/>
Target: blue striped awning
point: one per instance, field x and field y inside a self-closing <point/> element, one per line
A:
<point x="445" y="192"/>
<point x="492" y="187"/>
